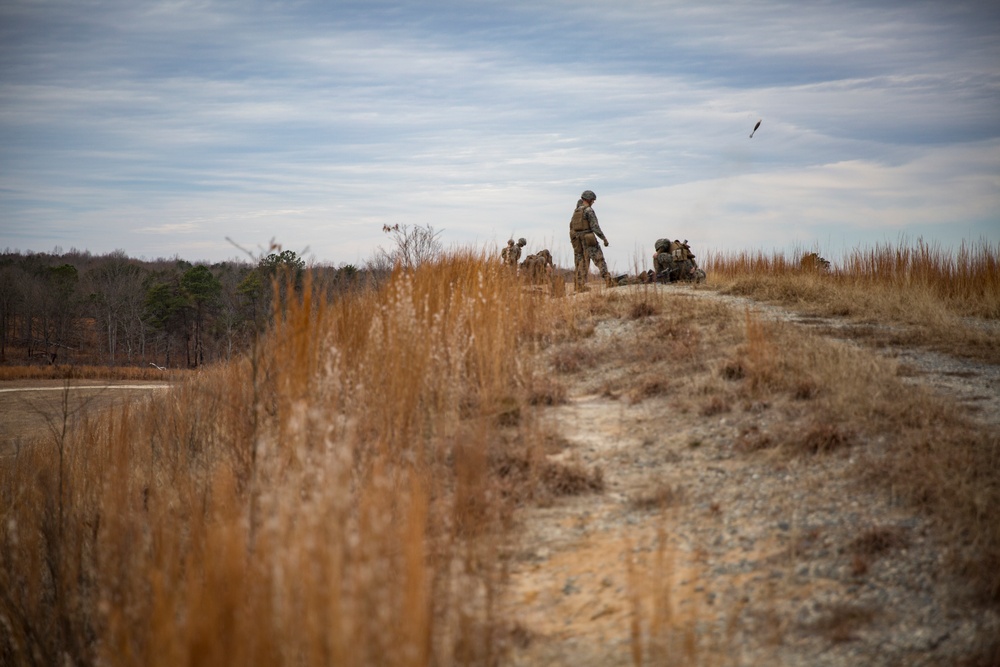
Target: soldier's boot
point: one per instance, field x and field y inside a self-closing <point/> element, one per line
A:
<point x="609" y="281"/>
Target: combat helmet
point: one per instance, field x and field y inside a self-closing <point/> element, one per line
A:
<point x="588" y="195"/>
<point x="522" y="242"/>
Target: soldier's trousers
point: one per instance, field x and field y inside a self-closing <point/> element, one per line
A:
<point x="583" y="255"/>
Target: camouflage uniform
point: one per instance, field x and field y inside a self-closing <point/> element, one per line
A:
<point x="538" y="266"/>
<point x="512" y="253"/>
<point x="584" y="231"/>
<point x="673" y="260"/>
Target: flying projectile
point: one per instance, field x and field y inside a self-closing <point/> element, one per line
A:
<point x="755" y="129"/>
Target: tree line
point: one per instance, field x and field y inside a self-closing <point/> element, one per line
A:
<point x="111" y="309"/>
<point x="81" y="308"/>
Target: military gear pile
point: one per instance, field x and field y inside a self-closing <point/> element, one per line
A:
<point x="813" y="262"/>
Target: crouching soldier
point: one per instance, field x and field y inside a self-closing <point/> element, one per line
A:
<point x="537" y="268"/>
<point x="673" y="261"/>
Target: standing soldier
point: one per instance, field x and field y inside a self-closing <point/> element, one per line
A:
<point x="583" y="234"/>
<point x="512" y="253"/>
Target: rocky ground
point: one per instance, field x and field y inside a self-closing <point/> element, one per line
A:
<point x="700" y="552"/>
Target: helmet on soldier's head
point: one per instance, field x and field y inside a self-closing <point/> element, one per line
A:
<point x="588" y="195"/>
<point x="522" y="242"/>
<point x="510" y="241"/>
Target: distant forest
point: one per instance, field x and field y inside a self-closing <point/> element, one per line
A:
<point x="79" y="308"/>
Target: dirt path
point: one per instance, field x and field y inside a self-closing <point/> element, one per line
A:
<point x="713" y="557"/>
<point x="974" y="384"/>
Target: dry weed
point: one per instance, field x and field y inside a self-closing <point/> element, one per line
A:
<point x="824" y="439"/>
<point x="659" y="498"/>
<point x="877" y="540"/>
<point x="573" y="359"/>
<point x="643" y="309"/>
<point x="330" y="499"/>
<point x="840" y="622"/>
<point x="545" y="391"/>
<point x="928" y="288"/>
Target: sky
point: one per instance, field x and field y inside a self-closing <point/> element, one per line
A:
<point x="210" y="129"/>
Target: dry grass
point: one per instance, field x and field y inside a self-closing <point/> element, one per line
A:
<point x="77" y="373"/>
<point x="840" y="622"/>
<point x="341" y="495"/>
<point x="34" y="409"/>
<point x="658" y="498"/>
<point x="837" y="397"/>
<point x="947" y="300"/>
<point x="328" y="500"/>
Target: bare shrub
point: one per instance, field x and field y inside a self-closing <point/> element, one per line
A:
<point x="572" y="479"/>
<point x="840" y="622"/>
<point x="647" y="387"/>
<point x="412" y="246"/>
<point x="752" y="439"/>
<point x="658" y="498"/>
<point x="543" y="390"/>
<point x="877" y="540"/>
<point x="573" y="359"/>
<point x="733" y="370"/>
<point x="805" y="389"/>
<point x="824" y="439"/>
<point x="642" y="309"/>
<point x="508" y="412"/>
<point x="716" y="405"/>
<point x="527" y="475"/>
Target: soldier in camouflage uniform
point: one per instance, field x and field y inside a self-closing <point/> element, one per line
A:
<point x="673" y="260"/>
<point x="584" y="231"/>
<point x="512" y="253"/>
<point x="537" y="267"/>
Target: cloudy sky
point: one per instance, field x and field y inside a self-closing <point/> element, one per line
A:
<point x="183" y="127"/>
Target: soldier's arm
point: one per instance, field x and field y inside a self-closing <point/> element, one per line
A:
<point x="595" y="226"/>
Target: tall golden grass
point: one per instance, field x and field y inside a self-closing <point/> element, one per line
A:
<point x="944" y="296"/>
<point x="332" y="498"/>
<point x="342" y="495"/>
<point x="966" y="280"/>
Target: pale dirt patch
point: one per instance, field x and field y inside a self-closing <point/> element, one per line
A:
<point x="753" y="558"/>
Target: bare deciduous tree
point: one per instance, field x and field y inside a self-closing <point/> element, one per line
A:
<point x="412" y="247"/>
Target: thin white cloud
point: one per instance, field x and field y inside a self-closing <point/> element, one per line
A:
<point x="199" y="122"/>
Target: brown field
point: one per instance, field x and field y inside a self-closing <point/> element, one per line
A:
<point x="39" y="409"/>
<point x="776" y="467"/>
